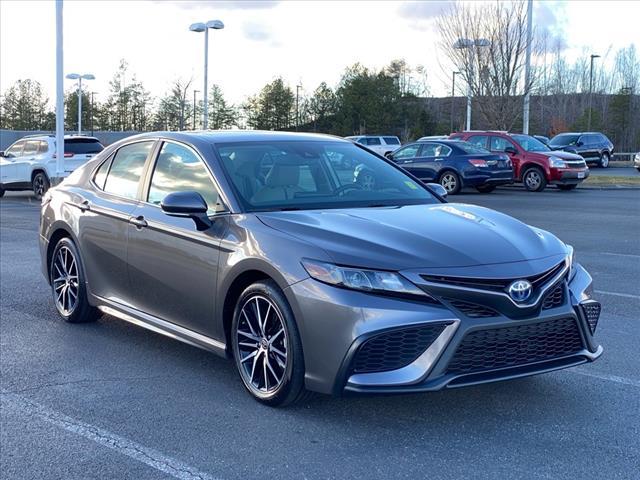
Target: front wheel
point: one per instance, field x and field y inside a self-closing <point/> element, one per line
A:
<point x="68" y="284"/>
<point x="534" y="179"/>
<point x="451" y="182"/>
<point x="40" y="185"/>
<point x="567" y="187"/>
<point x="604" y="160"/>
<point x="266" y="345"/>
<point x="486" y="188"/>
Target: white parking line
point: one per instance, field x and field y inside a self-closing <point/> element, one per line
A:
<point x="609" y="378"/>
<point x="148" y="456"/>
<point x="620" y="254"/>
<point x="616" y="294"/>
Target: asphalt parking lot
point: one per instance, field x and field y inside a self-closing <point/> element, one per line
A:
<point x="110" y="400"/>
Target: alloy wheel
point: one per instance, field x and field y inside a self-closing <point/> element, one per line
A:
<point x="65" y="281"/>
<point x="449" y="182"/>
<point x="533" y="180"/>
<point x="604" y="160"/>
<point x="38" y="185"/>
<point x="262" y="345"/>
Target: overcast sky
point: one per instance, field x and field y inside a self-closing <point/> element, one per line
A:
<point x="305" y="42"/>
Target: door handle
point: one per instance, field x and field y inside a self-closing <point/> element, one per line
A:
<point x="139" y="222"/>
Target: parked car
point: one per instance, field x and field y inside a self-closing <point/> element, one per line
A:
<point x="455" y="165"/>
<point x="535" y="165"/>
<point x="636" y="161"/>
<point x="594" y="147"/>
<point x="309" y="280"/>
<point x="542" y="138"/>
<point x="378" y="143"/>
<point x="30" y="163"/>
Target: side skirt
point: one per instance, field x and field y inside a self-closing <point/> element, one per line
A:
<point x="158" y="325"/>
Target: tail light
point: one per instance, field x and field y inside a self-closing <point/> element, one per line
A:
<point x="66" y="155"/>
<point x="478" y="163"/>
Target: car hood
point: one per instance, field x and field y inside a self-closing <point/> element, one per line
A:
<point x="561" y="154"/>
<point x="419" y="236"/>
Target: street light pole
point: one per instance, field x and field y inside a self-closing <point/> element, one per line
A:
<point x="79" y="77"/>
<point x="59" y="95"/>
<point x="204" y="27"/>
<point x="453" y="96"/>
<point x="298" y="87"/>
<point x="590" y="91"/>
<point x="91" y="114"/>
<point x="527" y="71"/>
<point x="460" y="44"/>
<point x="194" y="108"/>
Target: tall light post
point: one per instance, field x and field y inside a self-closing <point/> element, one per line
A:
<point x="194" y="108"/>
<point x="472" y="45"/>
<point x="453" y="96"/>
<point x="91" y="113"/>
<point x="80" y="77"/>
<point x="204" y="27"/>
<point x="59" y="95"/>
<point x="590" y="91"/>
<point x="527" y="71"/>
<point x="298" y="87"/>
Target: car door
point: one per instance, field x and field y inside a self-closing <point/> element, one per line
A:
<point x="427" y="163"/>
<point x="588" y="148"/>
<point x="29" y="159"/>
<point x="479" y="141"/>
<point x="501" y="145"/>
<point x="104" y="223"/>
<point x="172" y="265"/>
<point x="10" y="167"/>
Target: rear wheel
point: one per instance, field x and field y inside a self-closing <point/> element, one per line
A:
<point x="534" y="179"/>
<point x="68" y="284"/>
<point x="451" y="182"/>
<point x="40" y="185"/>
<point x="567" y="187"/>
<point x="266" y="345"/>
<point x="486" y="188"/>
<point x="604" y="160"/>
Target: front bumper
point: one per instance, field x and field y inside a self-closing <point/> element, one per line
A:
<point x="334" y="323"/>
<point x="569" y="176"/>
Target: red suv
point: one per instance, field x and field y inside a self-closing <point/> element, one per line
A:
<point x="534" y="164"/>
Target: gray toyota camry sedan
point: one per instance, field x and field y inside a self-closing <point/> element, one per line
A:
<point x="314" y="264"/>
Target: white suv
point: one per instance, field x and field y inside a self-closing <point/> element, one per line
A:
<point x="30" y="162"/>
<point x="379" y="144"/>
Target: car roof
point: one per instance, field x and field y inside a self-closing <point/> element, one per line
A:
<point x="231" y="136"/>
<point x="368" y="136"/>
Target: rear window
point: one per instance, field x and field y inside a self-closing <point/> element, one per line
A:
<point x="391" y="141"/>
<point x="82" y="145"/>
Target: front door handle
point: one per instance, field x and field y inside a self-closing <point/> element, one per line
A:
<point x="139" y="222"/>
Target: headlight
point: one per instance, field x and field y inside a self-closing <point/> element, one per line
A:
<point x="557" y="162"/>
<point x="571" y="258"/>
<point x="360" y="279"/>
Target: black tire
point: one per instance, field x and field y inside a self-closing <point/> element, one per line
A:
<point x="290" y="387"/>
<point x="486" y="188"/>
<point x="534" y="180"/>
<point x="81" y="311"/>
<point x="451" y="182"/>
<point x="604" y="160"/>
<point x="40" y="185"/>
<point x="567" y="187"/>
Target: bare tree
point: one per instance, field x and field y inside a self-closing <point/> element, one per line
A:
<point x="494" y="73"/>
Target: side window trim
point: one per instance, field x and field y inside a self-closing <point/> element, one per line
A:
<point x="151" y="165"/>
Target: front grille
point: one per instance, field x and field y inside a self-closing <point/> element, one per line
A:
<point x="472" y="310"/>
<point x="554" y="298"/>
<point x="495" y="284"/>
<point x="504" y="347"/>
<point x="396" y="348"/>
<point x="591" y="312"/>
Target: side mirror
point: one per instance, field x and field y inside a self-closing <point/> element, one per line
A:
<point x="1" y="153"/>
<point x="187" y="204"/>
<point x="511" y="150"/>
<point x="579" y="143"/>
<point x="389" y="155"/>
<point x="438" y="189"/>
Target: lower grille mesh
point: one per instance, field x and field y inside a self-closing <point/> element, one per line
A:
<point x="592" y="313"/>
<point x="396" y="348"/>
<point x="518" y="345"/>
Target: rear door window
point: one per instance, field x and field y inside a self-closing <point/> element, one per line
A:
<point x="498" y="144"/>
<point x="126" y="169"/>
<point x="31" y="147"/>
<point x="44" y="147"/>
<point x="391" y="141"/>
<point x="373" y="141"/>
<point x="478" y="140"/>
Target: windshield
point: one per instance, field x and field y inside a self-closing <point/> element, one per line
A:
<point x="564" y="139"/>
<point x="530" y="144"/>
<point x="301" y="175"/>
<point x="467" y="147"/>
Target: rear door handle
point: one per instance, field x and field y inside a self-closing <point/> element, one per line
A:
<point x="138" y="222"/>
